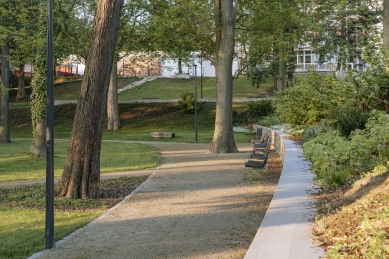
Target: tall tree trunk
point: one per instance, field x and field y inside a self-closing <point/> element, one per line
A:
<point x="385" y="23"/>
<point x="39" y="90"/>
<point x="4" y="96"/>
<point x="21" y="90"/>
<point x="81" y="175"/>
<point x="292" y="58"/>
<point x="179" y="65"/>
<point x="225" y="18"/>
<point x="112" y="101"/>
<point x="39" y="147"/>
<point x="281" y="71"/>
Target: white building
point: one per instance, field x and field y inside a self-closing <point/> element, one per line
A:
<point x="203" y="67"/>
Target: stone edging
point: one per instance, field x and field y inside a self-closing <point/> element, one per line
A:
<point x="285" y="231"/>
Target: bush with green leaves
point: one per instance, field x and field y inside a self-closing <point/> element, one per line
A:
<point x="311" y="98"/>
<point x="240" y="118"/>
<point x="347" y="119"/>
<point x="260" y="109"/>
<point x="187" y="103"/>
<point x="256" y="111"/>
<point x="317" y="129"/>
<point x="372" y="85"/>
<point x="331" y="153"/>
<point x="27" y="80"/>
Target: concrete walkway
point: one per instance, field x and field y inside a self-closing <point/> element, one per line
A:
<point x="285" y="232"/>
<point x="137" y="83"/>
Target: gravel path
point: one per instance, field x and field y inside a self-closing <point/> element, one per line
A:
<point x="196" y="205"/>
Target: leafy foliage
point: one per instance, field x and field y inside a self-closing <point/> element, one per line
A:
<point x="342" y="29"/>
<point x="349" y="118"/>
<point x="187" y="103"/>
<point x="39" y="81"/>
<point x="332" y="153"/>
<point x="317" y="129"/>
<point x="311" y="98"/>
<point x="255" y="112"/>
<point x="3" y="89"/>
<point x="372" y="86"/>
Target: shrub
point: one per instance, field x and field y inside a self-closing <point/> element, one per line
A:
<point x="347" y="119"/>
<point x="13" y="80"/>
<point x="27" y="80"/>
<point x="372" y="85"/>
<point x="260" y="109"/>
<point x="317" y="129"/>
<point x="311" y="98"/>
<point x="240" y="118"/>
<point x="269" y="120"/>
<point x="361" y="152"/>
<point x="187" y="103"/>
<point x="332" y="178"/>
<point x="256" y="111"/>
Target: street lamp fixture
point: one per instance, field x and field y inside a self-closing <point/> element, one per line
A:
<point x="195" y="97"/>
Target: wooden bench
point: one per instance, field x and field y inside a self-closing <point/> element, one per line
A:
<point x="162" y="134"/>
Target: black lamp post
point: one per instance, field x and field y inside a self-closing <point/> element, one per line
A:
<point x="201" y="75"/>
<point x="195" y="96"/>
<point x="49" y="226"/>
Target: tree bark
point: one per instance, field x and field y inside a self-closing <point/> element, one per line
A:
<point x="4" y="95"/>
<point x="81" y="175"/>
<point x="39" y="147"/>
<point x="225" y="20"/>
<point x="179" y="66"/>
<point x="21" y="90"/>
<point x="281" y="71"/>
<point x="113" y="119"/>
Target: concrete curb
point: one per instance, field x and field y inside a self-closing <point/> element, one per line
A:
<point x="285" y="232"/>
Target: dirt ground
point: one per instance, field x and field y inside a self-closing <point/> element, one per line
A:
<point x="195" y="205"/>
<point x="342" y="214"/>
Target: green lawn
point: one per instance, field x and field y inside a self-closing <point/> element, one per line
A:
<point x="70" y="91"/>
<point x="22" y="213"/>
<point x="172" y="88"/>
<point x="17" y="164"/>
<point x="137" y="120"/>
<point x="21" y="229"/>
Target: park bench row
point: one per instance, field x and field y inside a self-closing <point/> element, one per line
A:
<point x="261" y="149"/>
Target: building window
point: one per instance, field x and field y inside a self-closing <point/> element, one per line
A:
<point x="306" y="59"/>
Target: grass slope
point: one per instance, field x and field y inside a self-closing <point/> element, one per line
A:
<point x="137" y="122"/>
<point x="172" y="88"/>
